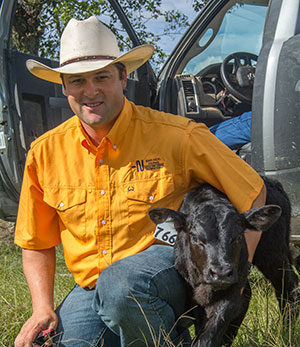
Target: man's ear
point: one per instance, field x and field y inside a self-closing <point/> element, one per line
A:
<point x="160" y="215"/>
<point x="63" y="87"/>
<point x="262" y="218"/>
<point x="124" y="79"/>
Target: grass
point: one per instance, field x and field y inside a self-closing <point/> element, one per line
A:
<point x="262" y="326"/>
<point x="15" y="302"/>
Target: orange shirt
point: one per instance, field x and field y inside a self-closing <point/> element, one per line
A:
<point x="95" y="200"/>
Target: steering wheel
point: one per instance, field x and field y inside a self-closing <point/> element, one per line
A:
<point x="238" y="77"/>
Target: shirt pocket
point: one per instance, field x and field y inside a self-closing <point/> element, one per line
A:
<point x="146" y="194"/>
<point x="70" y="205"/>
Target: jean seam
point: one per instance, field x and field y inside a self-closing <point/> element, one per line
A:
<point x="222" y="126"/>
<point x="98" y="340"/>
<point x="148" y="288"/>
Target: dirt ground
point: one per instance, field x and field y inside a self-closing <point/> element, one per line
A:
<point x="7" y="232"/>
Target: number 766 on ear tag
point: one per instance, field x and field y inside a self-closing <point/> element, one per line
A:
<point x="166" y="232"/>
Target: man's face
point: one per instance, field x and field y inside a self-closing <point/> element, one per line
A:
<point x="96" y="97"/>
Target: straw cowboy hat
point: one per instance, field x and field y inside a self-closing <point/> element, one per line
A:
<point x="88" y="45"/>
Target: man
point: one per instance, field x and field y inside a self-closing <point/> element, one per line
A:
<point x="89" y="183"/>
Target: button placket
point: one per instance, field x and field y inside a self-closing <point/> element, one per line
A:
<point x="103" y="200"/>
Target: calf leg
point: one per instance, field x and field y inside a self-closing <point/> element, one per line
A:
<point x="236" y="322"/>
<point x="218" y="318"/>
<point x="279" y="271"/>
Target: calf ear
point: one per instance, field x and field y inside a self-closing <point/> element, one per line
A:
<point x="262" y="218"/>
<point x="160" y="215"/>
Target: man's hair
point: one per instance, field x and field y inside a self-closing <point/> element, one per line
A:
<point x="119" y="66"/>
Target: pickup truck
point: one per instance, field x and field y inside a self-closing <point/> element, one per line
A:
<point x="236" y="56"/>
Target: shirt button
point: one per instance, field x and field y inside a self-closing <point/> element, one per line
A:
<point x="101" y="161"/>
<point x="151" y="197"/>
<point x="102" y="192"/>
<point x="103" y="222"/>
<point x="104" y="252"/>
<point x="61" y="204"/>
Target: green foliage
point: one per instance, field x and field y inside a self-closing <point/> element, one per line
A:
<point x="15" y="301"/>
<point x="198" y="4"/>
<point x="38" y="24"/>
<point x="262" y="326"/>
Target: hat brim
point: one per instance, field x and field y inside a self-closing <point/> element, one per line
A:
<point x="132" y="61"/>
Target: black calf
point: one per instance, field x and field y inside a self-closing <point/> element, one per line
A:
<point x="211" y="254"/>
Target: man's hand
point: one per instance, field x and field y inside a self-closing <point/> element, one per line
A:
<point x="40" y="320"/>
<point x="39" y="269"/>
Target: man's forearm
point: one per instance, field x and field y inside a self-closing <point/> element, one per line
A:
<point x="253" y="237"/>
<point x="39" y="269"/>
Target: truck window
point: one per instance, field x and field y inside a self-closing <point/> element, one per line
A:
<point x="241" y="31"/>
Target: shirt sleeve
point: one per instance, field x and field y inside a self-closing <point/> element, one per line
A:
<point x="206" y="159"/>
<point x="37" y="224"/>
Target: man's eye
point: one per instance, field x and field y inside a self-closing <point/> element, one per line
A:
<point x="77" y="81"/>
<point x="102" y="77"/>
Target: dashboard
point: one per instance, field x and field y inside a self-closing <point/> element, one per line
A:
<point x="204" y="98"/>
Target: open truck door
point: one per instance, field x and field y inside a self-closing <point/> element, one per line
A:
<point x="30" y="106"/>
<point x="192" y="82"/>
<point x="276" y="103"/>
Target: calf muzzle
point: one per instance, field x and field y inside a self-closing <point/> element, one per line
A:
<point x="221" y="277"/>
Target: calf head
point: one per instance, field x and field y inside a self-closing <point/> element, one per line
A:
<point x="210" y="247"/>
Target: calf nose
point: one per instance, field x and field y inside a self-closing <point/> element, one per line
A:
<point x="222" y="275"/>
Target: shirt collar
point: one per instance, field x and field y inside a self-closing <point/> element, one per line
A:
<point x="116" y="133"/>
<point x="85" y="139"/>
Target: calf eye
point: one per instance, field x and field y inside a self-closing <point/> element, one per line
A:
<point x="195" y="240"/>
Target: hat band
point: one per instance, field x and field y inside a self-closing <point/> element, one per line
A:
<point x="91" y="57"/>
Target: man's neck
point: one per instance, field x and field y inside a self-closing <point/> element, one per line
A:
<point x="97" y="134"/>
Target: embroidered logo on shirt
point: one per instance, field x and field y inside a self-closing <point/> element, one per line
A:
<point x="148" y="164"/>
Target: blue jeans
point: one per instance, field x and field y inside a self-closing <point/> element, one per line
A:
<point x="234" y="132"/>
<point x="137" y="301"/>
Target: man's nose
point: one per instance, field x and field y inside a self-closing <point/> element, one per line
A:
<point x="91" y="89"/>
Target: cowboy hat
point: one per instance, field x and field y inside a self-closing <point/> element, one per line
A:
<point x="88" y="45"/>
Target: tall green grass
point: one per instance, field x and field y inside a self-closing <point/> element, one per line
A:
<point x="262" y="326"/>
<point x="15" y="301"/>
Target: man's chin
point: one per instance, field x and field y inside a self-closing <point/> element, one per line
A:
<point x="97" y="122"/>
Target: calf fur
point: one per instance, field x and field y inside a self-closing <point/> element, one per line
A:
<point x="211" y="255"/>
